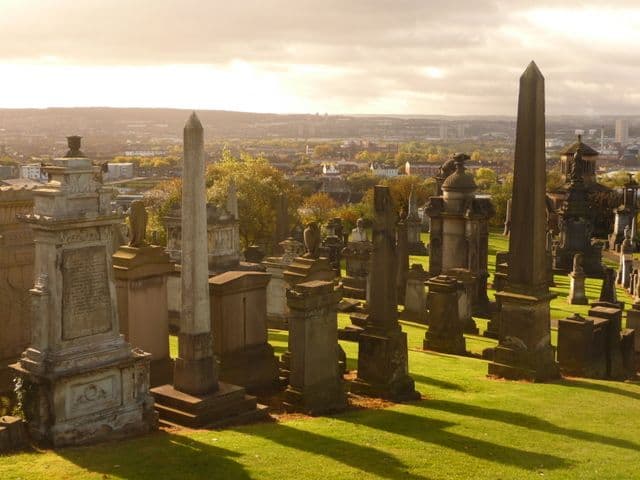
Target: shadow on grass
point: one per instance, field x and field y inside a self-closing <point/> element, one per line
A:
<point x="367" y="459"/>
<point x="432" y="431"/>
<point x="437" y="383"/>
<point x="525" y="421"/>
<point x="575" y="383"/>
<point x="159" y="456"/>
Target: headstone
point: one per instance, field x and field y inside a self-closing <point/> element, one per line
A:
<point x="466" y="297"/>
<point x="415" y="303"/>
<point x="608" y="294"/>
<point x="239" y="324"/>
<point x="357" y="256"/>
<point x="576" y="283"/>
<point x="80" y="381"/>
<point x="383" y="369"/>
<point x="626" y="260"/>
<point x="196" y="398"/>
<point x="582" y="346"/>
<point x="315" y="381"/>
<point x="281" y="232"/>
<point x="524" y="350"/>
<point x="445" y="333"/>
<point x="13" y="434"/>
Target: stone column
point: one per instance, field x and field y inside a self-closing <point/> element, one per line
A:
<point x="195" y="368"/>
<point x="525" y="351"/>
<point x="315" y="381"/>
<point x="383" y="368"/>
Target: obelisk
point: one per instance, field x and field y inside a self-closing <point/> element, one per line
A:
<point x="383" y="368"/>
<point x="195" y="367"/>
<point x="525" y="350"/>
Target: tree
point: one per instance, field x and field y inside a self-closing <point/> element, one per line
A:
<point x="555" y="179"/>
<point x="475" y="156"/>
<point x="360" y="182"/>
<point x="485" y="178"/>
<point x="318" y="207"/>
<point x="400" y="188"/>
<point x="500" y="195"/>
<point x="615" y="179"/>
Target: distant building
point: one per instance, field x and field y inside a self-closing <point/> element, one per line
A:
<point x="33" y="171"/>
<point x="8" y="171"/>
<point x="622" y="131"/>
<point x="384" y="170"/>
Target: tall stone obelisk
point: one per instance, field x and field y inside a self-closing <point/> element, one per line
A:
<point x="195" y="367"/>
<point x="196" y="397"/>
<point x="525" y="350"/>
<point x="383" y="368"/>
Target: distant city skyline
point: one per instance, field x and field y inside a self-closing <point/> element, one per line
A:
<point x="404" y="57"/>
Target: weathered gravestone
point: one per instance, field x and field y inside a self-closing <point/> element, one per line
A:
<point x="80" y="381"/>
<point x="576" y="283"/>
<point x="445" y="333"/>
<point x="383" y="369"/>
<point x="315" y="379"/>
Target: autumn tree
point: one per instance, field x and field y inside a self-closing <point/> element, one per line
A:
<point x="485" y="178"/>
<point x="318" y="207"/>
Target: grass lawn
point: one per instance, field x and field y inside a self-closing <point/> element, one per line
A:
<point x="466" y="427"/>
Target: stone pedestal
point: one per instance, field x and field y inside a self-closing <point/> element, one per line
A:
<point x="576" y="289"/>
<point x="445" y="332"/>
<point x="415" y="300"/>
<point x="357" y="256"/>
<point x="619" y="343"/>
<point x="141" y="287"/>
<point x="315" y="380"/>
<point x="13" y="434"/>
<point x="525" y="350"/>
<point x="81" y="382"/>
<point x="582" y="346"/>
<point x="239" y="326"/>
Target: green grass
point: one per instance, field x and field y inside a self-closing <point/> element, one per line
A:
<point x="467" y="427"/>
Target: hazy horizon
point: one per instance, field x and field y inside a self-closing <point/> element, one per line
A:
<point x="374" y="57"/>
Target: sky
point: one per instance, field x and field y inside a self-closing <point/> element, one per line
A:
<point x="427" y="57"/>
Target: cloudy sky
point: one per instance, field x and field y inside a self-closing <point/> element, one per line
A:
<point x="337" y="56"/>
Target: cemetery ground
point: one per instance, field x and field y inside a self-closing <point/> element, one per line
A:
<point x="466" y="426"/>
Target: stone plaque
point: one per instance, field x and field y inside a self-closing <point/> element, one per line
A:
<point x="86" y="300"/>
<point x="93" y="394"/>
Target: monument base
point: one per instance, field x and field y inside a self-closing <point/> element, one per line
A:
<point x="161" y="372"/>
<point x="319" y="399"/>
<point x="255" y="368"/>
<point x="383" y="367"/>
<point x="454" y="345"/>
<point x="229" y="404"/>
<point x="107" y="403"/>
<point x="524" y="351"/>
<point x="195" y="369"/>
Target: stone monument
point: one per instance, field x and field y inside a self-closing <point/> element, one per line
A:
<point x="402" y="250"/>
<point x="460" y="231"/>
<point x="81" y="382"/>
<point x="445" y="333"/>
<point x="141" y="272"/>
<point x="383" y="369"/>
<point x="576" y="225"/>
<point x="196" y="398"/>
<point x="415" y="301"/>
<point x="16" y="278"/>
<point x="626" y="259"/>
<point x="524" y="350"/>
<point x="576" y="286"/>
<point x="239" y="325"/>
<point x="315" y="380"/>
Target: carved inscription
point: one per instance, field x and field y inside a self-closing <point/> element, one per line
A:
<point x="86" y="302"/>
<point x="93" y="395"/>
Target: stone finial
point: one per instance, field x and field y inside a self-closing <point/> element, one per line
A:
<point x="138" y="219"/>
<point x="74" y="142"/>
<point x="312" y="240"/>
